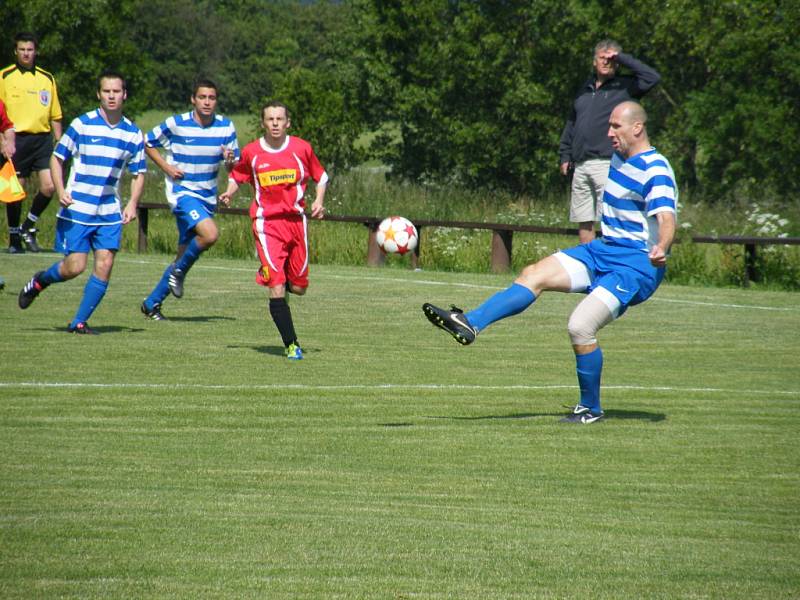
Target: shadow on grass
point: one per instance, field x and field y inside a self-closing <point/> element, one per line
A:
<point x="200" y="319"/>
<point x="272" y="350"/>
<point x="508" y="416"/>
<point x="610" y="415"/>
<point x="100" y="330"/>
<point x="639" y="415"/>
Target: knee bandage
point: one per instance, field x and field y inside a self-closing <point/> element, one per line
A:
<point x="589" y="317"/>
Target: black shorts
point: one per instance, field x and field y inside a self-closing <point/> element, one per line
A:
<point x="32" y="153"/>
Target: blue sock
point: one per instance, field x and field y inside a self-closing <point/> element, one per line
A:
<point x="51" y="275"/>
<point x="92" y="295"/>
<point x="189" y="256"/>
<point x="589" y="368"/>
<point x="159" y="292"/>
<point x="503" y="304"/>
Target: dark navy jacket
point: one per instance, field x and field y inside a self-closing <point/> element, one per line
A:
<point x="585" y="134"/>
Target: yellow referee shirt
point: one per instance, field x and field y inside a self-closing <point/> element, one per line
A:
<point x="31" y="98"/>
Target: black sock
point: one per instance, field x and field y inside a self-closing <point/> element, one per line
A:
<point x="279" y="309"/>
<point x="38" y="206"/>
<point x="13" y="213"/>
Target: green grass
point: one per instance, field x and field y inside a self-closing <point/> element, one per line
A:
<point x="188" y="458"/>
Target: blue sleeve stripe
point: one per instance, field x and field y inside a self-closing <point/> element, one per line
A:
<point x="661" y="179"/>
<point x="661" y="202"/>
<point x="138" y="167"/>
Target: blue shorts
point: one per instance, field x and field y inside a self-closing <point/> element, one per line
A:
<point x="76" y="237"/>
<point x="188" y="213"/>
<point x="624" y="272"/>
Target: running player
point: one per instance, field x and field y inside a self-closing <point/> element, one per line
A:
<point x="278" y="166"/>
<point x="621" y="270"/>
<point x="197" y="142"/>
<point x="100" y="144"/>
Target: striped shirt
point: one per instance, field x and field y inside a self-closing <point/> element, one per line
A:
<point x="31" y="98"/>
<point x="636" y="191"/>
<point x="99" y="153"/>
<point x="197" y="151"/>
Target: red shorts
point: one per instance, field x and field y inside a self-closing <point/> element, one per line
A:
<point x="282" y="247"/>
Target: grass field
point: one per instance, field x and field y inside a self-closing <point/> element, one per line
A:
<point x="189" y="459"/>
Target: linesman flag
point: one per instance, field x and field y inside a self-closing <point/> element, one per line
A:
<point x="10" y="189"/>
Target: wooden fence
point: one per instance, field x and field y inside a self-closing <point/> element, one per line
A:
<point x="502" y="237"/>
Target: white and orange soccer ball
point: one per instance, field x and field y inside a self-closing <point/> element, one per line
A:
<point x="396" y="235"/>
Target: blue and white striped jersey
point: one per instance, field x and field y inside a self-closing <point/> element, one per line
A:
<point x="99" y="153"/>
<point x="195" y="150"/>
<point x="637" y="189"/>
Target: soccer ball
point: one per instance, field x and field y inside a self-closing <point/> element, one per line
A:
<point x="396" y="235"/>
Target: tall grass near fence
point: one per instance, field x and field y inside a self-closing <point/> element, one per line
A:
<point x="369" y="192"/>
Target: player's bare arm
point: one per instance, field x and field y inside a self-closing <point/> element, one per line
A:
<point x="9" y="143"/>
<point x="318" y="208"/>
<point x="57" y="172"/>
<point x="57" y="129"/>
<point x="226" y="196"/>
<point x="171" y="170"/>
<point x="666" y="234"/>
<point x="137" y="187"/>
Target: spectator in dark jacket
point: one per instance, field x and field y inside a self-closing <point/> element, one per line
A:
<point x="585" y="147"/>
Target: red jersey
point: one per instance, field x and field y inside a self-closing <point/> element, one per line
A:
<point x="279" y="177"/>
<point x="5" y="122"/>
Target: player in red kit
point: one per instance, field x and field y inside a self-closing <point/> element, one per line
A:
<point x="278" y="166"/>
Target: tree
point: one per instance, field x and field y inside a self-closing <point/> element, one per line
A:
<point x="480" y="89"/>
<point x="78" y="40"/>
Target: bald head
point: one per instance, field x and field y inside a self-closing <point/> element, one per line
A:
<point x="627" y="129"/>
<point x="631" y="112"/>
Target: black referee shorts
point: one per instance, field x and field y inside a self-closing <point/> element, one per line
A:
<point x="32" y="153"/>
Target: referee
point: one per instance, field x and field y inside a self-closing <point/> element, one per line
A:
<point x="31" y="99"/>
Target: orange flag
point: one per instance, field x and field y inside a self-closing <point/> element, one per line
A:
<point x="10" y="189"/>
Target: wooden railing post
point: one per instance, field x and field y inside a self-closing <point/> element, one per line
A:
<point x="375" y="258"/>
<point x="750" y="265"/>
<point x="415" y="251"/>
<point x="501" y="250"/>
<point x="144" y="221"/>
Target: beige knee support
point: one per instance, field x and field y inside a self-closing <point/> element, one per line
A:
<point x="589" y="317"/>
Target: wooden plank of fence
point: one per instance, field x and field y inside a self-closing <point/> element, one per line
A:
<point x="502" y="237"/>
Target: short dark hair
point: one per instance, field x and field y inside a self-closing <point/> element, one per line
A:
<point x="275" y="104"/>
<point x="26" y="36"/>
<point x="111" y="74"/>
<point x="203" y="82"/>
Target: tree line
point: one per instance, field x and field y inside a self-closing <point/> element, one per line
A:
<point x="467" y="92"/>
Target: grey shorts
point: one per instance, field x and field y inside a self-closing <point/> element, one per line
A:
<point x="586" y="199"/>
